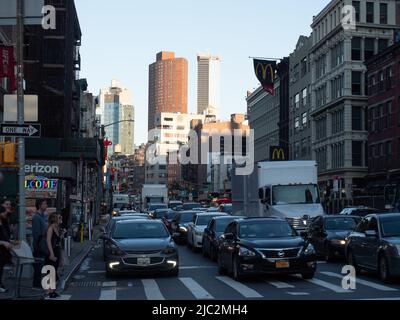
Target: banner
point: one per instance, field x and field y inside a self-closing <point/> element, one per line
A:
<point x="265" y="71"/>
<point x="7" y="65"/>
<point x="278" y="154"/>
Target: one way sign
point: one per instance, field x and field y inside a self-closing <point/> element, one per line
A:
<point x="21" y="130"/>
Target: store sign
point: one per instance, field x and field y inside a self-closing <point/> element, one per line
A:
<point x="51" y="169"/>
<point x="41" y="184"/>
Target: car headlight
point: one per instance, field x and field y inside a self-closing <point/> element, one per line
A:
<point x="115" y="213"/>
<point x="398" y="249"/>
<point x="116" y="251"/>
<point x="244" y="252"/>
<point x="338" y="242"/>
<point x="309" y="250"/>
<point x="182" y="229"/>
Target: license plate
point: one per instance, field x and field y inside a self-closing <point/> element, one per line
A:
<point x="282" y="264"/>
<point x="143" y="261"/>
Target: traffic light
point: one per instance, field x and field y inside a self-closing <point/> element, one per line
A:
<point x="9" y="153"/>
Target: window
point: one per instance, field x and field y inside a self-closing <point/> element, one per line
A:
<point x="304" y="94"/>
<point x="296" y="150"/>
<point x="389" y="75"/>
<point x="357" y="154"/>
<point x="369" y="48"/>
<point x="304" y="148"/>
<point x="337" y="121"/>
<point x="168" y="119"/>
<point x="357" y="118"/>
<point x="304" y="119"/>
<point x="356" y="5"/>
<point x="383" y="7"/>
<point x="297" y="101"/>
<point x="356" y="83"/>
<point x="303" y="67"/>
<point x="356" y="49"/>
<point x="297" y="123"/>
<point x="389" y="149"/>
<point x="180" y="128"/>
<point x="321" y="128"/>
<point x="370" y="12"/>
<point x="382" y="44"/>
<point x="380" y="81"/>
<point x="389" y="117"/>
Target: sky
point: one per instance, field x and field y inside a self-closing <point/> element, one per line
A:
<point x="121" y="38"/>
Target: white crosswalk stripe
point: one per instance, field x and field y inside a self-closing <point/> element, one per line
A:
<point x="298" y="293"/>
<point x="109" y="284"/>
<point x="240" y="287"/>
<point x="152" y="290"/>
<point x="198" y="291"/>
<point x="280" y="285"/>
<point x="108" y="294"/>
<point x="328" y="285"/>
<point x="360" y="281"/>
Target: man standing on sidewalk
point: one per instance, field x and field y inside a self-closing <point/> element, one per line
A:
<point x="39" y="231"/>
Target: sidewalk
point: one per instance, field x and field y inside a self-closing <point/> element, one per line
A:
<point x="79" y="252"/>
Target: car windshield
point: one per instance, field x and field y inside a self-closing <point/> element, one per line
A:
<point x="265" y="230"/>
<point x="186" y="217"/>
<point x="203" y="220"/>
<point x="363" y="212"/>
<point x="390" y="227"/>
<point x="227" y="208"/>
<point x="221" y="224"/>
<point x="157" y="206"/>
<point x="190" y="206"/>
<point x="140" y="230"/>
<point x="295" y="194"/>
<point x="341" y="223"/>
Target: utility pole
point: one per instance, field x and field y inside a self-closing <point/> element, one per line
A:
<point x="21" y="120"/>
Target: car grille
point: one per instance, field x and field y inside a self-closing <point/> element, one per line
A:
<point x="143" y="252"/>
<point x="154" y="260"/>
<point x="277" y="253"/>
<point x="299" y="223"/>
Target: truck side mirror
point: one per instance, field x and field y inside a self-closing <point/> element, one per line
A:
<point x="261" y="193"/>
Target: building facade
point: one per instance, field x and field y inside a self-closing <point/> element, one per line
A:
<point x="300" y="101"/>
<point x="339" y="98"/>
<point x="168" y="86"/>
<point x="208" y="84"/>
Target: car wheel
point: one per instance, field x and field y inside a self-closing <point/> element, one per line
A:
<point x="384" y="269"/>
<point x="308" y="275"/>
<point x="237" y="276"/>
<point x="328" y="253"/>
<point x="351" y="261"/>
<point x="221" y="269"/>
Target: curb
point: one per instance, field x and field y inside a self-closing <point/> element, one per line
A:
<point x="80" y="259"/>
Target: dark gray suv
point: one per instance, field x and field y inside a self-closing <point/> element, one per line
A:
<point x="375" y="245"/>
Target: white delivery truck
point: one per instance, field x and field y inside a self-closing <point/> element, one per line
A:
<point x="120" y="202"/>
<point x="154" y="193"/>
<point x="285" y="189"/>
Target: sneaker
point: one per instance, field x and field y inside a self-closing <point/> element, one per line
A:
<point x="3" y="290"/>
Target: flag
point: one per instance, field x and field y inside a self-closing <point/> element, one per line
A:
<point x="265" y="71"/>
<point x="7" y="65"/>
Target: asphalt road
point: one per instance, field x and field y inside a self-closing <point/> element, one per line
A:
<point x="199" y="279"/>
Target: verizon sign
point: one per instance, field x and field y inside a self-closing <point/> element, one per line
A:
<point x="51" y="169"/>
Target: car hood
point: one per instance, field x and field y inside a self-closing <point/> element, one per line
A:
<point x="393" y="240"/>
<point x="274" y="243"/>
<point x="339" y="234"/>
<point x="298" y="210"/>
<point x="142" y="244"/>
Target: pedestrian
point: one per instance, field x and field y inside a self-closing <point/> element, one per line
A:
<point x="53" y="258"/>
<point x="39" y="232"/>
<point x="12" y="218"/>
<point x="5" y="246"/>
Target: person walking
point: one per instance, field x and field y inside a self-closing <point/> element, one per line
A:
<point x="54" y="247"/>
<point x="39" y="232"/>
<point x="5" y="245"/>
<point x="12" y="217"/>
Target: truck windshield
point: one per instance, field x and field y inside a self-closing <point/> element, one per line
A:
<point x="295" y="194"/>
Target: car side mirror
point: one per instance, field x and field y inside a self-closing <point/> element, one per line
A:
<point x="371" y="234"/>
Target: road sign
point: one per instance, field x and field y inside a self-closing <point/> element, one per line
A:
<point x="21" y="130"/>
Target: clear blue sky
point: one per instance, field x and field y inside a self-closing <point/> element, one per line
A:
<point x="121" y="38"/>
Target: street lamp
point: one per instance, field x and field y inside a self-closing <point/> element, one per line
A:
<point x="113" y="124"/>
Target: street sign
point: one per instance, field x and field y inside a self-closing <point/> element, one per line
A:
<point x="30" y="108"/>
<point x="21" y="130"/>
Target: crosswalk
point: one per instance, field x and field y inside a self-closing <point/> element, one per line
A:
<point x="221" y="287"/>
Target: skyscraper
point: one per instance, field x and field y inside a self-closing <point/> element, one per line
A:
<point x="116" y="105"/>
<point x="208" y="84"/>
<point x="168" y="85"/>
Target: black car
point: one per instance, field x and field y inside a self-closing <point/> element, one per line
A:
<point x="179" y="225"/>
<point x="140" y="247"/>
<point x="264" y="246"/>
<point x="375" y="245"/>
<point x="328" y="234"/>
<point x="159" y="214"/>
<point x="214" y="230"/>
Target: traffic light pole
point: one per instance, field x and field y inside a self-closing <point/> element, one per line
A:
<point x="21" y="120"/>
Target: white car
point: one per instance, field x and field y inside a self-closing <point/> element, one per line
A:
<point x="197" y="226"/>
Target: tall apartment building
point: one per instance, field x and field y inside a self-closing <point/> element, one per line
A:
<point x="300" y="100"/>
<point x="168" y="85"/>
<point x="172" y="132"/>
<point x="116" y="106"/>
<point x="339" y="98"/>
<point x="208" y="84"/>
